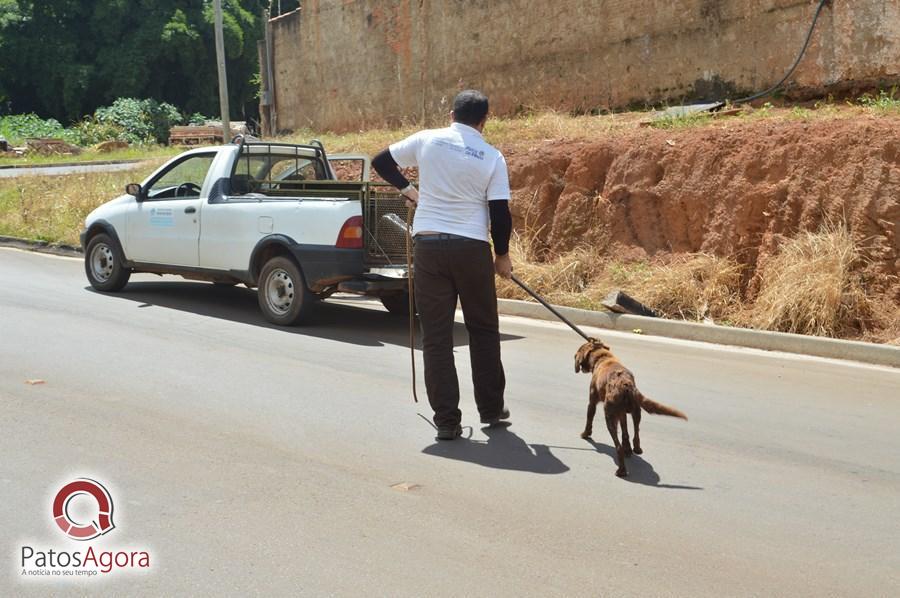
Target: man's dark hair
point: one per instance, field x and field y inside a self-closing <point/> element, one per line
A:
<point x="470" y="107"/>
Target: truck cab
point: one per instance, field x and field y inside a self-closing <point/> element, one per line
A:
<point x="272" y="216"/>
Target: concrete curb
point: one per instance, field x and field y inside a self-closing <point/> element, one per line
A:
<point x="709" y="333"/>
<point x="61" y="164"/>
<point x="41" y="246"/>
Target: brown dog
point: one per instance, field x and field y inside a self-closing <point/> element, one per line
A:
<point x="613" y="385"/>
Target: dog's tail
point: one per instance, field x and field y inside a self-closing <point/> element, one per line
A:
<point x="651" y="406"/>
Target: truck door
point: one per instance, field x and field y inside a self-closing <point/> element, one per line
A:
<point x="164" y="228"/>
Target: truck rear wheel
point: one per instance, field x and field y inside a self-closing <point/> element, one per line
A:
<point x="282" y="293"/>
<point x="104" y="264"/>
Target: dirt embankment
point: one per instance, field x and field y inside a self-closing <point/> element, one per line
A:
<point x="737" y="190"/>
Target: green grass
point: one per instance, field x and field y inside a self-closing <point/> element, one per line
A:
<point x="682" y="121"/>
<point x="885" y="101"/>
<point x="89" y="155"/>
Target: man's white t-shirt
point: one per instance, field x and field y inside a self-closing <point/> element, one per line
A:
<point x="459" y="173"/>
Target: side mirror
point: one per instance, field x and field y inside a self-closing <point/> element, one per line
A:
<point x="135" y="189"/>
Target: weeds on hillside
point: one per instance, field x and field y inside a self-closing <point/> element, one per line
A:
<point x="811" y="287"/>
<point x="682" y="121"/>
<point x="885" y="101"/>
<point x="690" y="287"/>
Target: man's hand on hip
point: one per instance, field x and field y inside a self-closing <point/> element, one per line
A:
<point x="503" y="266"/>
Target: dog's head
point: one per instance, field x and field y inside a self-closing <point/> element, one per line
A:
<point x="588" y="354"/>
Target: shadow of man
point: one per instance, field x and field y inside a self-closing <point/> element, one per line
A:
<point x="502" y="450"/>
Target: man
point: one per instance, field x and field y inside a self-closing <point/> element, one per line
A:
<point x="463" y="186"/>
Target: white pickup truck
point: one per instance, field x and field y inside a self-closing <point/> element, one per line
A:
<point x="268" y="215"/>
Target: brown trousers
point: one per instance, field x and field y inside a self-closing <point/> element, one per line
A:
<point x="447" y="267"/>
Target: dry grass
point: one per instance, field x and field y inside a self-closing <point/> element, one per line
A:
<point x="503" y="132"/>
<point x="53" y="208"/>
<point x="690" y="287"/>
<point x="810" y="287"/>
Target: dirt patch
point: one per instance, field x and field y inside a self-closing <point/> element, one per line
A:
<point x="738" y="191"/>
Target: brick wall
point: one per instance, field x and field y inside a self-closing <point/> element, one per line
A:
<point x="346" y="64"/>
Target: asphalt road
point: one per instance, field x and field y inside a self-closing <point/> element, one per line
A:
<point x="73" y="168"/>
<point x="252" y="460"/>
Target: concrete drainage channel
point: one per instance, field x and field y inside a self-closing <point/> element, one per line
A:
<point x="707" y="333"/>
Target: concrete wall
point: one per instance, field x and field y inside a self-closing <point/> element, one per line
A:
<point x="345" y="64"/>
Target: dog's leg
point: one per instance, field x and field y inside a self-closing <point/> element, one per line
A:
<point x="626" y="443"/>
<point x="636" y="416"/>
<point x="612" y="425"/>
<point x="592" y="410"/>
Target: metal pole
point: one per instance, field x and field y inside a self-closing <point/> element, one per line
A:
<point x="223" y="78"/>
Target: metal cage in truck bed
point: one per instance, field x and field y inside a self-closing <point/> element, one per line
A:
<point x="383" y="209"/>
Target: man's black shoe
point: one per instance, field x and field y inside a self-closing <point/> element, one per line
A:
<point x="493" y="421"/>
<point x="449" y="432"/>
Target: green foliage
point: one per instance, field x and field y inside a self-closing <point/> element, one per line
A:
<point x="91" y="131"/>
<point x="885" y="101"/>
<point x="65" y="58"/>
<point x="197" y="119"/>
<point x="21" y="126"/>
<point x="143" y="121"/>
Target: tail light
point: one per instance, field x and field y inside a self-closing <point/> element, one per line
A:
<point x="351" y="235"/>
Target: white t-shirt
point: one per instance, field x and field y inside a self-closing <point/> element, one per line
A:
<point x="459" y="172"/>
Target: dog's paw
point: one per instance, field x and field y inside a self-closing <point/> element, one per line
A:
<point x="621" y="473"/>
<point x="638" y="450"/>
<point x="586" y="434"/>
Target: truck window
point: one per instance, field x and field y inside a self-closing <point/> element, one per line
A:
<point x="182" y="180"/>
<point x="261" y="172"/>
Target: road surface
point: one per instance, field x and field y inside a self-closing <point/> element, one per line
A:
<point x="252" y="460"/>
<point x="73" y="168"/>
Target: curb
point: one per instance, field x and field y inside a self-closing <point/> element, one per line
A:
<point x="706" y="333"/>
<point x="61" y="164"/>
<point x="41" y="246"/>
<point x="710" y="333"/>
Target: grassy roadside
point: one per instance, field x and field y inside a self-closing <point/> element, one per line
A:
<point x="91" y="155"/>
<point x="53" y="208"/>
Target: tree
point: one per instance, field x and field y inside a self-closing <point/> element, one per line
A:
<point x="65" y="58"/>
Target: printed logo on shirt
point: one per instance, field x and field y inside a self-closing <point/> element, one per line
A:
<point x="471" y="151"/>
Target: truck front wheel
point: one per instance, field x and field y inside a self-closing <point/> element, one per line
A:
<point x="282" y="293"/>
<point x="104" y="264"/>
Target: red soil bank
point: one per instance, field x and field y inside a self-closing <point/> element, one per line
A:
<point x="736" y="189"/>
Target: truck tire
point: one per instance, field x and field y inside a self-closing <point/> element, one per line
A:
<point x="397" y="303"/>
<point x="282" y="293"/>
<point x="104" y="264"/>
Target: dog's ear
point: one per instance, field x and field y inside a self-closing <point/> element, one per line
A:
<point x="582" y="358"/>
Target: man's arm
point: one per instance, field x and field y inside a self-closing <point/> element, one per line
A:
<point x="501" y="228"/>
<point x="387" y="168"/>
<point x="387" y="165"/>
<point x="498" y="195"/>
